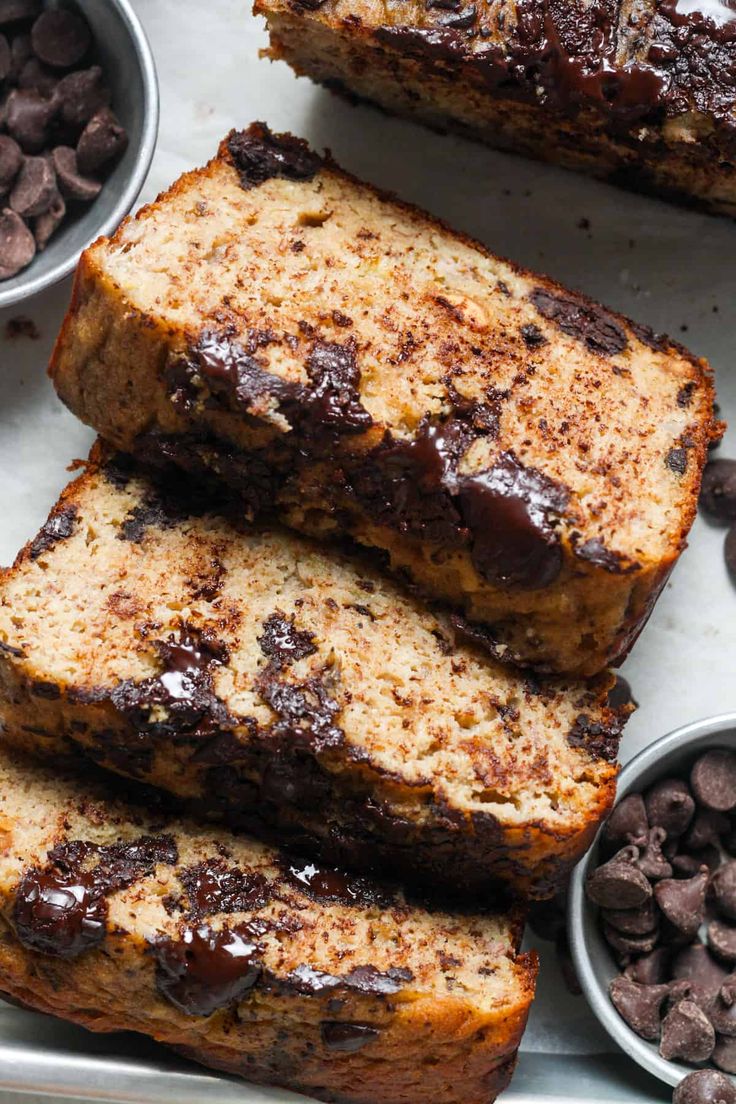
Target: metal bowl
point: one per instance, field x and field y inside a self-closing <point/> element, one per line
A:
<point x="123" y="51"/>
<point x="672" y="754"/>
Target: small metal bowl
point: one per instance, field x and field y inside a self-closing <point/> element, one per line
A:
<point x="125" y="56"/>
<point x="672" y="754"/>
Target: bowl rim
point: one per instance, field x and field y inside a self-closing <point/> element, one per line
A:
<point x="637" y="1048"/>
<point x="133" y="184"/>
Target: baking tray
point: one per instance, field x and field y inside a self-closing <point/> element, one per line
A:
<point x="671" y="268"/>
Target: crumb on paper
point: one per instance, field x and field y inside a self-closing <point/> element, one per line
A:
<point x="21" y="326"/>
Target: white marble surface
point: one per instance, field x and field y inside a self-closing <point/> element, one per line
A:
<point x="670" y="268"/>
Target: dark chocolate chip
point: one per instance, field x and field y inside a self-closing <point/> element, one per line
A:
<point x="687" y="1034"/>
<point x="27" y="120"/>
<point x="639" y="1005"/>
<point x="17" y="247"/>
<point x="718" y="490"/>
<point x="618" y="883"/>
<point x="652" y="968"/>
<point x="723" y="886"/>
<point x="627" y="822"/>
<point x="683" y="902"/>
<point x="72" y="184"/>
<point x="722" y="940"/>
<point x="80" y="95"/>
<point x="706" y="828"/>
<point x="103" y="139"/>
<point x="20" y="51"/>
<point x="60" y="38"/>
<point x="12" y="11"/>
<point x="695" y="963"/>
<point x="630" y="944"/>
<point x="6" y="58"/>
<point x="670" y="805"/>
<point x="11" y="159"/>
<point x="691" y="991"/>
<point x="686" y="865"/>
<point x="632" y="921"/>
<point x="34" y="189"/>
<point x="705" y="1087"/>
<point x="652" y="861"/>
<point x="347" y="1037"/>
<point x="34" y="76"/>
<point x="713" y="780"/>
<point x="729" y="551"/>
<point x="724" y="1056"/>
<point x="723" y="1011"/>
<point x="46" y="225"/>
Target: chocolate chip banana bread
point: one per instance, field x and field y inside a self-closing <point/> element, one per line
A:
<point x="642" y="93"/>
<point x="247" y="959"/>
<point x="285" y="686"/>
<point x="514" y="448"/>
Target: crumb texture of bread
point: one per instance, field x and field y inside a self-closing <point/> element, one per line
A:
<point x="281" y="684"/>
<point x="513" y="448"/>
<point x="289" y="974"/>
<point x="641" y="93"/>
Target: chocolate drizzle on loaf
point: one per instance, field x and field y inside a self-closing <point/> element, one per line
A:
<point x="259" y="155"/>
<point x="59" y="527"/>
<point x="61" y="909"/>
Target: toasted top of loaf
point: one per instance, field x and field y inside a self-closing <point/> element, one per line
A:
<point x="149" y="879"/>
<point x="290" y="291"/>
<point x="133" y="599"/>
<point x="630" y="62"/>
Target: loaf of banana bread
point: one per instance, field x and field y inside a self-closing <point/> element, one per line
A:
<point x="641" y="93"/>
<point x="285" y="686"/>
<point x="513" y="448"/>
<point x="245" y="958"/>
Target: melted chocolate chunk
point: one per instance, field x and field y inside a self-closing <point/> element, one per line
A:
<point x="600" y="740"/>
<point x="306" y="710"/>
<point x="533" y="336"/>
<point x="510" y="510"/>
<point x="59" y="526"/>
<point x="331" y="884"/>
<point x="204" y="970"/>
<point x="61" y="910"/>
<point x="141" y="518"/>
<point x="183" y="692"/>
<point x="586" y="322"/>
<point x="212" y="887"/>
<point x="335" y="375"/>
<point x="259" y="155"/>
<point x="364" y="979"/>
<point x="283" y="643"/>
<point x="676" y="460"/>
<point x="595" y="552"/>
<point x="347" y="1037"/>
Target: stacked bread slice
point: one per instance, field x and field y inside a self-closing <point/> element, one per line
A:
<point x="273" y="342"/>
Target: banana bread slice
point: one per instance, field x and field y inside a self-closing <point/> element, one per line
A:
<point x="640" y="92"/>
<point x="246" y="958"/>
<point x="279" y="684"/>
<point x="515" y="449"/>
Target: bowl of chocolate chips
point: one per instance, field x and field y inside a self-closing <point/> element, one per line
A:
<point x="78" y="126"/>
<point x="652" y="912"/>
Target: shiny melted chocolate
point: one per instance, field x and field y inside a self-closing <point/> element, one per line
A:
<point x="260" y="155"/>
<point x="204" y="970"/>
<point x="346" y="1037"/>
<point x="332" y="884"/>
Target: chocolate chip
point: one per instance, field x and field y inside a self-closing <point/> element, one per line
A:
<point x="347" y="1037"/>
<point x="11" y="159"/>
<point x="652" y="861"/>
<point x="718" y="490"/>
<point x="687" y="1034"/>
<point x="60" y="37"/>
<point x="17" y="247"/>
<point x="6" y="58"/>
<point x="72" y="184"/>
<point x="652" y="968"/>
<point x="706" y="828"/>
<point x="632" y="921"/>
<point x="723" y="886"/>
<point x="724" y="1055"/>
<point x="683" y="902"/>
<point x="630" y="944"/>
<point x="28" y="118"/>
<point x="20" y="51"/>
<point x="618" y="883"/>
<point x="11" y="11"/>
<point x="705" y="1087"/>
<point x="713" y="780"/>
<point x="80" y="95"/>
<point x="729" y="551"/>
<point x="695" y="963"/>
<point x="46" y="225"/>
<point x="691" y="991"/>
<point x="670" y="805"/>
<point x="722" y="940"/>
<point x="723" y="1011"/>
<point x="34" y="188"/>
<point x="34" y="76"/>
<point x="102" y="139"/>
<point x="639" y="1005"/>
<point x="627" y="822"/>
<point x="686" y="865"/>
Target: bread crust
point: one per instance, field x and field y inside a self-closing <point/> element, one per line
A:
<point x="533" y="81"/>
<point x="116" y="362"/>
<point x="414" y="1032"/>
<point x="406" y="750"/>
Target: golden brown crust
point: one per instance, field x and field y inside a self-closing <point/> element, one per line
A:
<point x="394" y="1005"/>
<point x="328" y="705"/>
